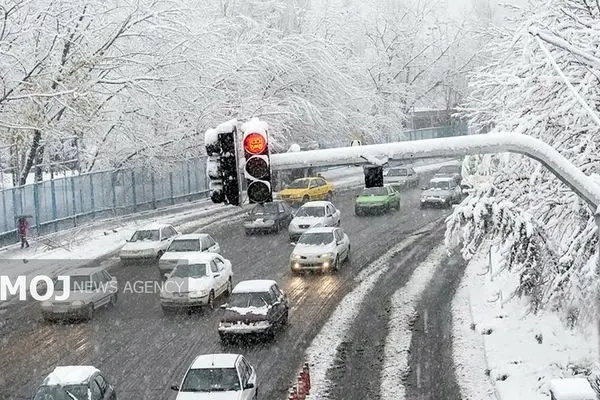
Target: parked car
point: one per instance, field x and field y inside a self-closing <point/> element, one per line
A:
<point x="453" y="171"/>
<point x="441" y="192"/>
<point x="255" y="307"/>
<point x="196" y="281"/>
<point x="320" y="249"/>
<point x="77" y="382"/>
<point x="185" y="246"/>
<point x="148" y="243"/>
<point x="304" y="190"/>
<point x="377" y="200"/>
<point x="89" y="289"/>
<point x="218" y="376"/>
<point x="311" y="215"/>
<point x="401" y="177"/>
<point x="269" y="217"/>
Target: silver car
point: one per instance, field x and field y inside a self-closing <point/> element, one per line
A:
<point x="401" y="177"/>
<point x="185" y="246"/>
<point x="312" y="215"/>
<point x="441" y="192"/>
<point x="89" y="289"/>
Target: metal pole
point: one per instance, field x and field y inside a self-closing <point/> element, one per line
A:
<point x="134" y="198"/>
<point x="53" y="199"/>
<point x="597" y="219"/>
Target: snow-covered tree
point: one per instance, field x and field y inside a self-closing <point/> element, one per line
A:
<point x="549" y="233"/>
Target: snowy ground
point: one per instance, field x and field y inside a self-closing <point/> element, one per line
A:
<point x="493" y="332"/>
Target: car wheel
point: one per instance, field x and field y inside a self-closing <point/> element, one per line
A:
<point x="211" y="300"/>
<point x="167" y="310"/>
<point x="305" y="199"/>
<point x="247" y="232"/>
<point x="284" y="319"/>
<point x="336" y="264"/>
<point x="329" y="196"/>
<point x="270" y="334"/>
<point x="422" y="205"/>
<point x="229" y="288"/>
<point x="357" y="212"/>
<point x="159" y="255"/>
<point x="348" y="254"/>
<point x="113" y="300"/>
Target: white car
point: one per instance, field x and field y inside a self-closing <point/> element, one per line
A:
<point x="196" y="281"/>
<point x="441" y="192"/>
<point x="320" y="249"/>
<point x="83" y="382"/>
<point x="185" y="246"/>
<point x="312" y="215"/>
<point x="148" y="243"/>
<point x="218" y="377"/>
<point x="89" y="289"/>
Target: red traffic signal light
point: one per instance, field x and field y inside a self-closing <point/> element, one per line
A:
<point x="255" y="143"/>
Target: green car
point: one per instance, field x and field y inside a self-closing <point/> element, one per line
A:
<point x="377" y="200"/>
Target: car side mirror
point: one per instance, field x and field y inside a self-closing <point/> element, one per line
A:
<point x="175" y="387"/>
<point x="292" y="243"/>
<point x="249" y="385"/>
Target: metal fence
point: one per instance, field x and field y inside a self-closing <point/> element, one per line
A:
<point x="67" y="202"/>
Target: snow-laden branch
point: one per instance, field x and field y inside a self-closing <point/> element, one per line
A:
<point x="125" y="81"/>
<point x="559" y="42"/>
<point x="46" y="95"/>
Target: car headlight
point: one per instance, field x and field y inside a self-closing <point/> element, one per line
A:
<point x="77" y="303"/>
<point x="269" y="221"/>
<point x="295" y="256"/>
<point x="199" y="293"/>
<point x="318" y="224"/>
<point x="326" y="255"/>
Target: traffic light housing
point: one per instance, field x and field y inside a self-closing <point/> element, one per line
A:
<point x="373" y="176"/>
<point x="221" y="165"/>
<point x="257" y="169"/>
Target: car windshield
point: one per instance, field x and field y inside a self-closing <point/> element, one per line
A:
<point x="244" y="300"/>
<point x="397" y="172"/>
<point x="76" y="283"/>
<point x="311" y="212"/>
<point x="189" y="271"/>
<point x="153" y="235"/>
<point x="316" y="238"/>
<point x="211" y="380"/>
<point x="67" y="392"/>
<point x="443" y="185"/>
<point x="374" y="191"/>
<point x="185" y="245"/>
<point x="265" y="209"/>
<point x="299" y="184"/>
<point x="449" y="169"/>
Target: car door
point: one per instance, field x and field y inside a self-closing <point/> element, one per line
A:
<point x="99" y="295"/>
<point x="249" y="382"/>
<point x="217" y="278"/>
<point x="95" y="391"/>
<point x="213" y="246"/>
<point x="336" y="215"/>
<point x="275" y="303"/>
<point x="344" y="242"/>
<point x="165" y="241"/>
<point x="106" y="391"/>
<point x="108" y="286"/>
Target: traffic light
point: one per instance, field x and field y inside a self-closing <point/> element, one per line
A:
<point x="373" y="176"/>
<point x="221" y="165"/>
<point x="257" y="169"/>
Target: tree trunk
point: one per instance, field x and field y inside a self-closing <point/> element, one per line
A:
<point x="35" y="144"/>
<point x="39" y="161"/>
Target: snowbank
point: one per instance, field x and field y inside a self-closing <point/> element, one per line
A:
<point x="524" y="352"/>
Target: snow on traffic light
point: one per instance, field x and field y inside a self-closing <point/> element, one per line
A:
<point x="257" y="169"/>
<point x="221" y="166"/>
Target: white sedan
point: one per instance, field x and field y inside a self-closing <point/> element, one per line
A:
<point x="312" y="215"/>
<point x="148" y="243"/>
<point x="218" y="376"/>
<point x="186" y="246"/>
<point x="320" y="249"/>
<point x="196" y="281"/>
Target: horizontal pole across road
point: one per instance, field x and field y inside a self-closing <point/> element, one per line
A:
<point x="534" y="148"/>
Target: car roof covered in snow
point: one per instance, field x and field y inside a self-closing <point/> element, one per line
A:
<point x="321" y="229"/>
<point x="191" y="236"/>
<point x="316" y="203"/>
<point x="572" y="389"/>
<point x="253" y="286"/>
<point x="442" y="179"/>
<point x="83" y="271"/>
<point x="222" y="360"/>
<point x="70" y="375"/>
<point x="153" y="226"/>
<point x="197" y="258"/>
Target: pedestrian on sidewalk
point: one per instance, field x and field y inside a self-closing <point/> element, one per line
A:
<point x="23" y="228"/>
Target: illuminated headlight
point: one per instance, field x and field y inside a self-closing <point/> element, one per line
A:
<point x="326" y="255"/>
<point x="198" y="293"/>
<point x="296" y="266"/>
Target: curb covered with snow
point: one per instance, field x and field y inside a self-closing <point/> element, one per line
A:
<point x="322" y="351"/>
<point x="523" y="352"/>
<point x="403" y="308"/>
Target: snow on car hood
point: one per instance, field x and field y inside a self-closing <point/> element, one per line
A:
<point x="307" y="220"/>
<point x="178" y="255"/>
<point x="141" y="245"/>
<point x="437" y="193"/>
<point x="313" y="249"/>
<point x="249" y="310"/>
<point x="230" y="395"/>
<point x="187" y="284"/>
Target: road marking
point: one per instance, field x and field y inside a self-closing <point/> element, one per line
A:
<point x="323" y="349"/>
<point x="402" y="312"/>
